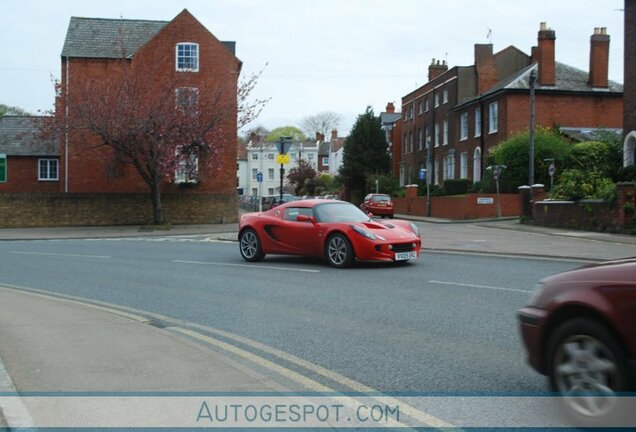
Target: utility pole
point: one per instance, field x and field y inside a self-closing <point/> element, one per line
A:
<point x="533" y="80"/>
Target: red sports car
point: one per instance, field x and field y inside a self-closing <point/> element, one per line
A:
<point x="335" y="230"/>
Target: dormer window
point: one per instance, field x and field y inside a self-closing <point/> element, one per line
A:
<point x="188" y="57"/>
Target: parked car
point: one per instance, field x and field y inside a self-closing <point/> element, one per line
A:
<point x="378" y="204"/>
<point x="580" y="331"/>
<point x="335" y="230"/>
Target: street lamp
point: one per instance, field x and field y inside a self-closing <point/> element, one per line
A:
<point x="533" y="80"/>
<point x="497" y="170"/>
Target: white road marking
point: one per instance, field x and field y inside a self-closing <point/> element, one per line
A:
<point x="59" y="254"/>
<point x="252" y="266"/>
<point x="480" y="286"/>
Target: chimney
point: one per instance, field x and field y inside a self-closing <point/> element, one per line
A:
<point x="435" y="69"/>
<point x="320" y="137"/>
<point x="534" y="54"/>
<point x="547" y="73"/>
<point x="485" y="67"/>
<point x="599" y="57"/>
<point x="390" y="108"/>
<point x="334" y="134"/>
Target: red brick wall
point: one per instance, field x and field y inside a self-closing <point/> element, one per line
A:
<point x="460" y="207"/>
<point x="218" y="68"/>
<point x="22" y="176"/>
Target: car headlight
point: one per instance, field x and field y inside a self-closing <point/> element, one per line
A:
<point x="415" y="229"/>
<point x="364" y="232"/>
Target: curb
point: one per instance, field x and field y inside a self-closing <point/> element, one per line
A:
<point x="12" y="411"/>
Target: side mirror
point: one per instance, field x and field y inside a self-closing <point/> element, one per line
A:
<point x="370" y="214"/>
<point x="305" y="218"/>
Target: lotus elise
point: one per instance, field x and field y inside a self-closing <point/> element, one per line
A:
<point x="334" y="230"/>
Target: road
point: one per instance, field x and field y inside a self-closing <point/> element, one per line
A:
<point x="444" y="323"/>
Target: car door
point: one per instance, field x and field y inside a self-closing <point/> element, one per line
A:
<point x="300" y="237"/>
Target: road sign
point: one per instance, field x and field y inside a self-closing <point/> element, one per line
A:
<point x="283" y="145"/>
<point x="495" y="174"/>
<point x="259" y="177"/>
<point x="282" y="158"/>
<point x="485" y="200"/>
<point x="551" y="170"/>
<point x="3" y="168"/>
<point x="422" y="174"/>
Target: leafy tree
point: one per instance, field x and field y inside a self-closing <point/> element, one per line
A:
<point x="13" y="111"/>
<point x="515" y="154"/>
<point x="301" y="175"/>
<point x="603" y="156"/>
<point x="323" y="122"/>
<point x="365" y="153"/>
<point x="128" y="119"/>
<point x="286" y="131"/>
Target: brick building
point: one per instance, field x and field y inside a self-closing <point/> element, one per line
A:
<point x="629" y="113"/>
<point x="467" y="110"/>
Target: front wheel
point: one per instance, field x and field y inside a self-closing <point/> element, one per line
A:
<point x="250" y="246"/>
<point x="338" y="251"/>
<point x="587" y="366"/>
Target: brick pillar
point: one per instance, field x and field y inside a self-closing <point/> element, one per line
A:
<point x="625" y="194"/>
<point x="538" y="192"/>
<point x="526" y="206"/>
<point x="411" y="194"/>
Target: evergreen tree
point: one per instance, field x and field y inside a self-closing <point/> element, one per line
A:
<point x="365" y="154"/>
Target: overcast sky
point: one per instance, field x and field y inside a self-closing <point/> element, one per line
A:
<point x="322" y="55"/>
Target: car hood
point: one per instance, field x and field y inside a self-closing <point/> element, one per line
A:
<point x="388" y="230"/>
<point x="623" y="270"/>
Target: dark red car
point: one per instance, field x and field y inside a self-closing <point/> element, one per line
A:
<point x="580" y="331"/>
<point x="378" y="205"/>
<point x="335" y="230"/>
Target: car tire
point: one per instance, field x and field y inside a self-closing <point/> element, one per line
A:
<point x="250" y="246"/>
<point x="585" y="357"/>
<point x="338" y="251"/>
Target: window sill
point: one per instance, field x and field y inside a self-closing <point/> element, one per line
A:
<point x="49" y="180"/>
<point x="493" y="132"/>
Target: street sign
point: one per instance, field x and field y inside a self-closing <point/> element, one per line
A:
<point x="485" y="200"/>
<point x="283" y="145"/>
<point x="551" y="170"/>
<point x="422" y="174"/>
<point x="495" y="174"/>
<point x="282" y="158"/>
<point x="259" y="177"/>
<point x="3" y="168"/>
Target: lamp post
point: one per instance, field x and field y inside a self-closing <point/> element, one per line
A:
<point x="496" y="173"/>
<point x="533" y="80"/>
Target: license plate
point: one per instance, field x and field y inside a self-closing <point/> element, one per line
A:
<point x="403" y="256"/>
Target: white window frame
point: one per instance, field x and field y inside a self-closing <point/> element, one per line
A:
<point x="186" y="69"/>
<point x="477" y="122"/>
<point x="449" y="173"/>
<point x="49" y="162"/>
<point x="493" y="117"/>
<point x="420" y="107"/>
<point x="436" y="100"/>
<point x="325" y="161"/>
<point x="270" y="191"/>
<point x="254" y="156"/>
<point x="187" y="170"/>
<point x="254" y="173"/>
<point x="463" y="126"/>
<point x="445" y="96"/>
<point x="270" y="174"/>
<point x="436" y="134"/>
<point x="254" y="191"/>
<point x="420" y="139"/>
<point x="426" y="107"/>
<point x="445" y="130"/>
<point x="436" y="169"/>
<point x="463" y="165"/>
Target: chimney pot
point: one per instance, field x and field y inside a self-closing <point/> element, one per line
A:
<point x="543" y="26"/>
<point x="390" y="108"/>
<point x="334" y="134"/>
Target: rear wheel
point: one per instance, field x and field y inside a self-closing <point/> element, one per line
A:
<point x="587" y="367"/>
<point x="338" y="251"/>
<point x="250" y="246"/>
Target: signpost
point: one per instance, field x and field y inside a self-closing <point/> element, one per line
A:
<point x="497" y="170"/>
<point x="551" y="171"/>
<point x="259" y="179"/>
<point x="283" y="145"/>
<point x="3" y="168"/>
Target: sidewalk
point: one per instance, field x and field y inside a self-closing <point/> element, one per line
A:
<point x="48" y="345"/>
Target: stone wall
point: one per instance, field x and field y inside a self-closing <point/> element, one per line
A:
<point x="77" y="209"/>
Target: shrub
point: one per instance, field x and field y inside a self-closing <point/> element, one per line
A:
<point x="604" y="157"/>
<point x="457" y="186"/>
<point x="575" y="184"/>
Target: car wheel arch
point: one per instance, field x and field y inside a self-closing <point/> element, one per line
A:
<point x="341" y="232"/>
<point x="570" y="312"/>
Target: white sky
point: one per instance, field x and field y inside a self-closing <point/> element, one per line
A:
<point x="335" y="55"/>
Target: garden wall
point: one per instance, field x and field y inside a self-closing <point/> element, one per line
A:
<point x="79" y="209"/>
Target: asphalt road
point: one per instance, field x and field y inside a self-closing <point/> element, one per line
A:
<point x="444" y="323"/>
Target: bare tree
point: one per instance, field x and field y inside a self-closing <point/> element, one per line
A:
<point x="163" y="127"/>
<point x="323" y="122"/>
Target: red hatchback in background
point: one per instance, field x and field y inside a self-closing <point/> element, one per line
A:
<point x="378" y="205"/>
<point x="580" y="330"/>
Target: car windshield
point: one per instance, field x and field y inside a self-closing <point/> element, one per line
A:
<point x="339" y="212"/>
<point x="381" y="198"/>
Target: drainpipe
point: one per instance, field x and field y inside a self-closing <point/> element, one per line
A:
<point x="66" y="103"/>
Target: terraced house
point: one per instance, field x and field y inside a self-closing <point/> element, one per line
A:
<point x="180" y="65"/>
<point x="465" y="111"/>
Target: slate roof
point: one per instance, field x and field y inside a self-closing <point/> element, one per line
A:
<point x="110" y="38"/>
<point x="323" y="149"/>
<point x="20" y="136"/>
<point x="568" y="79"/>
<point x="589" y="134"/>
